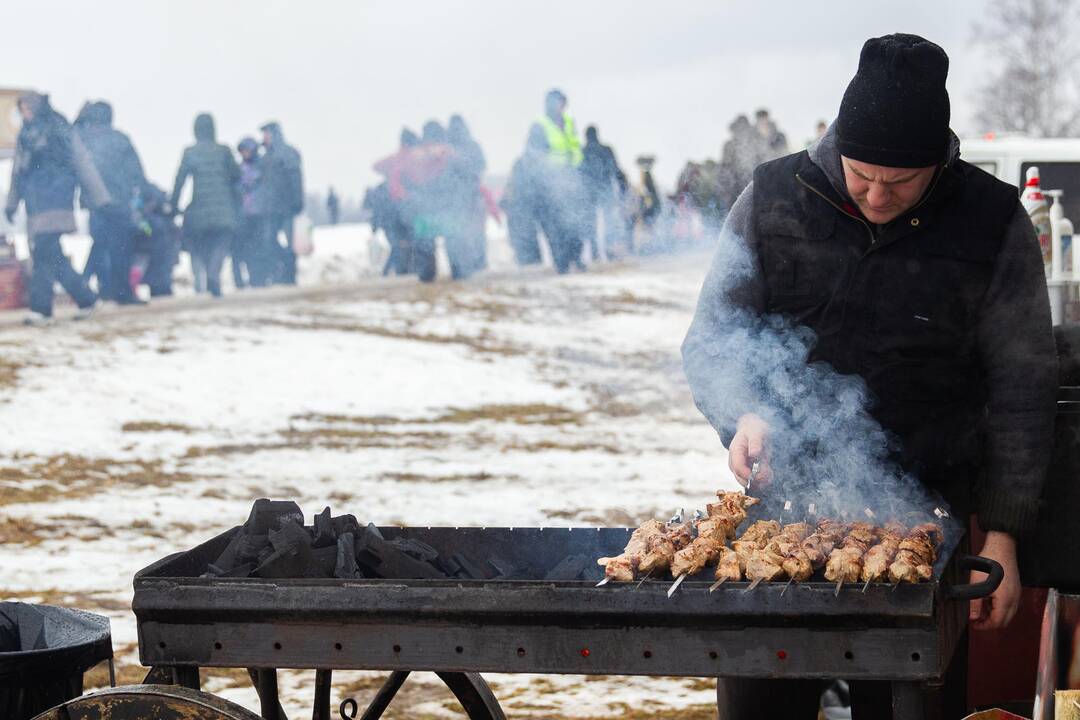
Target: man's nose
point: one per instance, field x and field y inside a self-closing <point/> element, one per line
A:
<point x="877" y="196"/>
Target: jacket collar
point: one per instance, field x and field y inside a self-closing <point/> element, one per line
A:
<point x="829" y="182"/>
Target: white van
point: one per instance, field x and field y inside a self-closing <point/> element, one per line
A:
<point x="1007" y="157"/>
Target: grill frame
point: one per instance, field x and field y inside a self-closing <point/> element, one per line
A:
<point x="903" y="634"/>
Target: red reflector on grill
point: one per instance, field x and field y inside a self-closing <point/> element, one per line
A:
<point x="584" y="652"/>
<point x="782" y="654"/>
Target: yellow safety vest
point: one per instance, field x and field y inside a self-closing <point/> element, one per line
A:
<point x="563" y="145"/>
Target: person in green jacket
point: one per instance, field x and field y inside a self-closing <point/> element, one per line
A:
<point x="210" y="217"/>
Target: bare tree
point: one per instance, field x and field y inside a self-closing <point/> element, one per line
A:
<point x="1034" y="86"/>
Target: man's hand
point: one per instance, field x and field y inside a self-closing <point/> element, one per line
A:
<point x="996" y="611"/>
<point x="748" y="446"/>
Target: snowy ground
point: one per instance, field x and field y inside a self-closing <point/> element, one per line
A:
<point x="515" y="399"/>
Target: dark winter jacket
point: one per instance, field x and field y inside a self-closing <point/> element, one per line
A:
<point x="283" y="175"/>
<point x="943" y="312"/>
<point x="50" y="162"/>
<point x="599" y="171"/>
<point x="113" y="154"/>
<point x="215" y="178"/>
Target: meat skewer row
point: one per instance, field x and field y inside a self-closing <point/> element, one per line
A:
<point x="822" y="541"/>
<point x="731" y="565"/>
<point x="878" y="558"/>
<point x="660" y="549"/>
<point x="725" y="516"/>
<point x="767" y="564"/>
<point x="655" y="544"/>
<point x="621" y="568"/>
<point x="916" y="554"/>
<point x="845" y="562"/>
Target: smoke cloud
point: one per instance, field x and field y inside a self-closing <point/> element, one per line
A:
<point x="824" y="445"/>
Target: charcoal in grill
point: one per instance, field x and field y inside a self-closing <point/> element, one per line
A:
<point x="325" y="534"/>
<point x="267" y="515"/>
<point x="416" y="548"/>
<point x="503" y="568"/>
<point x="379" y="558"/>
<point x="345" y="560"/>
<point x="240" y="571"/>
<point x="570" y="568"/>
<point x="346" y="524"/>
<point x="468" y="568"/>
<point x="291" y="555"/>
<point x="325" y="560"/>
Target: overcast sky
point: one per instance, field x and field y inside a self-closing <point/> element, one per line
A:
<point x="344" y="77"/>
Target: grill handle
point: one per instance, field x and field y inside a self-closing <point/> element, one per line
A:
<point x="974" y="591"/>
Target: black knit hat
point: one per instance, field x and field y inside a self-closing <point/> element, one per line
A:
<point x="895" y="111"/>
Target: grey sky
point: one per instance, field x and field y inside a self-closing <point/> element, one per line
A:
<point x="343" y="77"/>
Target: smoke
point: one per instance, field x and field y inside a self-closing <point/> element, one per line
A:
<point x="824" y="445"/>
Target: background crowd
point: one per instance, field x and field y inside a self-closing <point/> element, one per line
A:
<point x="244" y="209"/>
<point x="564" y="200"/>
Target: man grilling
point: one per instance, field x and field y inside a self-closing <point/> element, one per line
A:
<point x="916" y="272"/>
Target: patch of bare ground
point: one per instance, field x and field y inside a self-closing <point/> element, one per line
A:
<point x="25" y="531"/>
<point x="626" y="302"/>
<point x="614" y="517"/>
<point x="519" y="414"/>
<point x="152" y="426"/>
<point x="434" y="479"/>
<point x="650" y="711"/>
<point x="326" y="439"/>
<point x="556" y="445"/>
<point x="90" y="601"/>
<point x="9" y="372"/>
<point x="482" y="343"/>
<point x="67" y="476"/>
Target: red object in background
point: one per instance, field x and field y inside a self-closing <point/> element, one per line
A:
<point x="12" y="284"/>
<point x="1003" y="664"/>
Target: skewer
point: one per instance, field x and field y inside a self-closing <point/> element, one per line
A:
<point x="642" y="580"/>
<point x="869" y="513"/>
<point x="603" y="582"/>
<point x="865" y="585"/>
<point x="786" y="586"/>
<point x="753" y="474"/>
<point x="839" y="584"/>
<point x="754" y="584"/>
<point x="675" y="585"/>
<point x="718" y="583"/>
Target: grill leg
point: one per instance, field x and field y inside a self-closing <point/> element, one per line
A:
<point x="473" y="693"/>
<point x="187" y="676"/>
<point x="265" y="680"/>
<point x="321" y="707"/>
<point x="907" y="701"/>
<point x="386" y="693"/>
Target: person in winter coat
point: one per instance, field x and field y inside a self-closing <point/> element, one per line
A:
<point x="158" y="240"/>
<point x="600" y="174"/>
<point x="466" y="239"/>
<point x="283" y="178"/>
<point x="252" y="250"/>
<point x="387" y="211"/>
<point x="210" y="217"/>
<point x="878" y="260"/>
<point x="333" y="206"/>
<point x="523" y="198"/>
<point x="112" y="228"/>
<point x="50" y="162"/>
